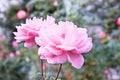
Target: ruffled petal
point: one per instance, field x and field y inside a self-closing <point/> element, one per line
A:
<point x="84" y="48"/>
<point x="76" y="60"/>
<point x="29" y="43"/>
<point x="52" y="56"/>
<point x="59" y="59"/>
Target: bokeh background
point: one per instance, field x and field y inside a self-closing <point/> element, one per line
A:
<point x="100" y="17"/>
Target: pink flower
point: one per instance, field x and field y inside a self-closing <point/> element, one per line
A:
<point x="118" y="22"/>
<point x="64" y="42"/>
<point x="106" y="72"/>
<point x="2" y="37"/>
<point x="28" y="31"/>
<point x="11" y="55"/>
<point x="14" y="44"/>
<point x="21" y="14"/>
<point x="102" y="34"/>
<point x="44" y="66"/>
<point x="55" y="3"/>
<point x="17" y="52"/>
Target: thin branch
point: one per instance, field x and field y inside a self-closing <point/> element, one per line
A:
<point x="42" y="70"/>
<point x="58" y="72"/>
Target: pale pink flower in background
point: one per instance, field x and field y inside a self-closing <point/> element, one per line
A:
<point x="14" y="44"/>
<point x="11" y="55"/>
<point x="106" y="72"/>
<point x="17" y="52"/>
<point x="2" y="37"/>
<point x="28" y="31"/>
<point x="55" y="3"/>
<point x="64" y="42"/>
<point x="21" y="14"/>
<point x="118" y="21"/>
<point x="102" y="34"/>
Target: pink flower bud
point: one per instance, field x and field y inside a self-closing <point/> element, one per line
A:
<point x="106" y="72"/>
<point x="55" y="3"/>
<point x="21" y="14"/>
<point x="17" y="52"/>
<point x="118" y="21"/>
<point x="14" y="44"/>
<point x="44" y="66"/>
<point x="102" y="34"/>
<point x="11" y="55"/>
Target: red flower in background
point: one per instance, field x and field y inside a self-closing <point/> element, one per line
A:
<point x="68" y="76"/>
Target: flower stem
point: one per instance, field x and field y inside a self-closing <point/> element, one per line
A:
<point x="58" y="72"/>
<point x="42" y="69"/>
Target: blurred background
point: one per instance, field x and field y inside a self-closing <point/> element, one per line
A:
<point x="100" y="17"/>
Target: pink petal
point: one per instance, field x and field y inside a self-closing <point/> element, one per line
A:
<point x="29" y="43"/>
<point x="59" y="59"/>
<point x="54" y="50"/>
<point x="23" y="38"/>
<point x="49" y="55"/>
<point x="66" y="48"/>
<point x="84" y="48"/>
<point x="48" y="36"/>
<point x="76" y="60"/>
<point x="43" y="52"/>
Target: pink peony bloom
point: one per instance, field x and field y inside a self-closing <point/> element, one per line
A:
<point x="64" y="42"/>
<point x="118" y="22"/>
<point x="17" y="52"/>
<point x="28" y="31"/>
<point x="102" y="34"/>
<point x="21" y="14"/>
<point x="14" y="44"/>
<point x="11" y="55"/>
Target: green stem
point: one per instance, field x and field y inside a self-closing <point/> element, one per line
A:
<point x="58" y="72"/>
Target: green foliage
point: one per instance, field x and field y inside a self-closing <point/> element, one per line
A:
<point x="37" y="76"/>
<point x="14" y="69"/>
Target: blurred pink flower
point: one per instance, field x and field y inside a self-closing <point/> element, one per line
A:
<point x="44" y="66"/>
<point x="55" y="3"/>
<point x="17" y="52"/>
<point x="118" y="21"/>
<point x="21" y="14"/>
<point x="14" y="44"/>
<point x="11" y="55"/>
<point x="64" y="42"/>
<point x="102" y="34"/>
<point x="28" y="31"/>
<point x="2" y="37"/>
<point x="106" y="72"/>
